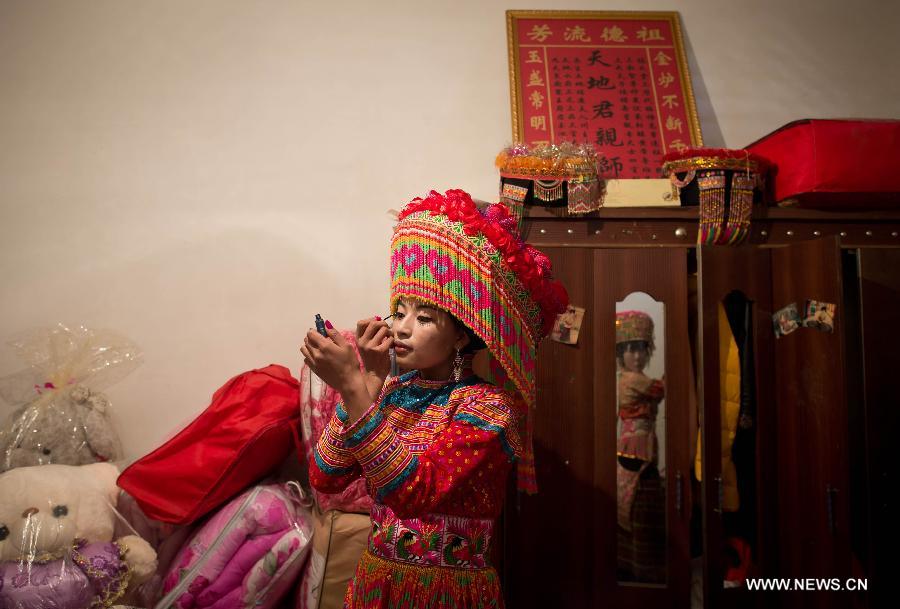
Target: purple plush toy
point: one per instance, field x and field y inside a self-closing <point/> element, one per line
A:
<point x="89" y="575"/>
<point x="56" y="548"/>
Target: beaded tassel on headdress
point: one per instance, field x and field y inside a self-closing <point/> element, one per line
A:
<point x="741" y="208"/>
<point x="548" y="190"/>
<point x="712" y="206"/>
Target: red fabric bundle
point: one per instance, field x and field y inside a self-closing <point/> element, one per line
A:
<point x="833" y="164"/>
<point x="248" y="430"/>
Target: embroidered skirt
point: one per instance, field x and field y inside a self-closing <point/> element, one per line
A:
<point x="434" y="561"/>
<point x="642" y="545"/>
<point x="390" y="584"/>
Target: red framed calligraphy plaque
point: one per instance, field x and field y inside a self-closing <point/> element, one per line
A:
<point x="616" y="79"/>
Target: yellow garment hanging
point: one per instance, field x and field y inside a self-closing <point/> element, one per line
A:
<point x="730" y="403"/>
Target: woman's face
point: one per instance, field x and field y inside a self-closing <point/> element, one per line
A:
<point x="426" y="339"/>
<point x="635" y="356"/>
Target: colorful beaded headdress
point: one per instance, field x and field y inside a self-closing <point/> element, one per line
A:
<point x="474" y="265"/>
<point x="550" y="175"/>
<point x="724" y="183"/>
<point x="634" y="325"/>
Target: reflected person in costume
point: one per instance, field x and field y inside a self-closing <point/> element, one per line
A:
<point x="640" y="495"/>
<point x="437" y="443"/>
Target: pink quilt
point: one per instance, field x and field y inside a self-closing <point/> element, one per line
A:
<point x="247" y="555"/>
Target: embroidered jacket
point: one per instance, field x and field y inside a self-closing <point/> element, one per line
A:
<point x="425" y="447"/>
<point x="639" y="395"/>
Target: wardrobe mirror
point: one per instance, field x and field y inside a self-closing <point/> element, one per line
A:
<point x="640" y="440"/>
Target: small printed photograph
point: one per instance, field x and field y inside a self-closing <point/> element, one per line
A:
<point x="567" y="325"/>
<point x="819" y="315"/>
<point x="786" y="320"/>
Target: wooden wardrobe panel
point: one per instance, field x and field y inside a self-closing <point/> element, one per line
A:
<point x="549" y="559"/>
<point x="661" y="273"/>
<point x="812" y="420"/>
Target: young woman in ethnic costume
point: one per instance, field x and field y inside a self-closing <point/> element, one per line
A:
<point x="437" y="443"/>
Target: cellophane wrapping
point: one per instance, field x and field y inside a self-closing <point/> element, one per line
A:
<point x="59" y="413"/>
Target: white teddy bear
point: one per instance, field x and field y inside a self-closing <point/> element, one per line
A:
<point x="56" y="539"/>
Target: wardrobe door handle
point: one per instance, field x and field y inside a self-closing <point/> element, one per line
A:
<point x="721" y="492"/>
<point x="830" y="493"/>
<point x="679" y="494"/>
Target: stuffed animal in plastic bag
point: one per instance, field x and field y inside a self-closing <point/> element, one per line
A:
<point x="56" y="539"/>
<point x="57" y="418"/>
<point x="72" y="429"/>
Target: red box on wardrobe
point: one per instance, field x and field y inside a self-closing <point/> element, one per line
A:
<point x="832" y="164"/>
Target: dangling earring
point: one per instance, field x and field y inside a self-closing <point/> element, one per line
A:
<point x="457" y="366"/>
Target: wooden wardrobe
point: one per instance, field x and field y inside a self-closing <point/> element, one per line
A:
<point x="815" y="475"/>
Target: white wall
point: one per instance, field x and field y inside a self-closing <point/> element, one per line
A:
<point x="204" y="176"/>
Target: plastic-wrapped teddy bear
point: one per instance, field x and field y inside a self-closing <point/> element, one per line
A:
<point x="56" y="539"/>
<point x="71" y="429"/>
<point x="57" y="419"/>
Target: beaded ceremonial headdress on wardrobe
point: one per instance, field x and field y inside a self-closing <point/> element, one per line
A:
<point x="474" y="265"/>
<point x="724" y="182"/>
<point x="551" y="175"/>
<point x="634" y="325"/>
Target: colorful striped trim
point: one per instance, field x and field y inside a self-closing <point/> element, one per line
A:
<point x="397" y="482"/>
<point x="357" y="432"/>
<point x="330" y="452"/>
<point x="376" y="447"/>
<point x="331" y="470"/>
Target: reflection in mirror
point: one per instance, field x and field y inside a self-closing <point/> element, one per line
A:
<point x="640" y="440"/>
